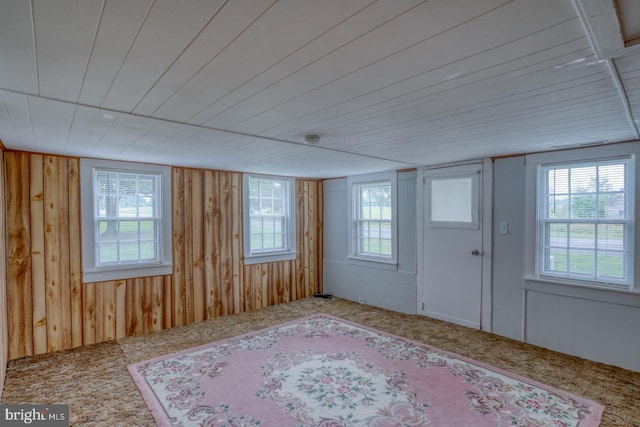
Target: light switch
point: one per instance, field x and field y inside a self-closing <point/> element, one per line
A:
<point x="504" y="228"/>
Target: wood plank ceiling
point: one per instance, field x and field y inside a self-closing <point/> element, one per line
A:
<point x="387" y="84"/>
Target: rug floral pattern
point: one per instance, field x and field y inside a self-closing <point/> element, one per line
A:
<point x="323" y="371"/>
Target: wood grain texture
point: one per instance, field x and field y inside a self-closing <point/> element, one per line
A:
<point x="19" y="290"/>
<point x="50" y="308"/>
<point x="4" y="333"/>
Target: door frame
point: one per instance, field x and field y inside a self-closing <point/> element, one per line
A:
<point x="486" y="186"/>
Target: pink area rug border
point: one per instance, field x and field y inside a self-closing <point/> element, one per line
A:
<point x="161" y="416"/>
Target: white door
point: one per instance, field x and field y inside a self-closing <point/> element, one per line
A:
<point x="452" y="245"/>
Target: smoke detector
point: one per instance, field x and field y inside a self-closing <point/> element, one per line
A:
<point x="311" y="139"/>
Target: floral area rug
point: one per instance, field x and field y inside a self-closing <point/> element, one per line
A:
<point x="324" y="371"/>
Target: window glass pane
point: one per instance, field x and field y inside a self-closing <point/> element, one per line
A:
<point x="268" y="212"/>
<point x="107" y="231"/>
<point x="582" y="262"/>
<point x="127" y="207"/>
<point x="147" y="207"/>
<point x="557" y="235"/>
<point x="148" y="230"/>
<point x="127" y="184"/>
<point x="372" y="207"/>
<point x="147" y="185"/>
<point x="582" y="236"/>
<point x="107" y="253"/>
<point x="611" y="265"/>
<point x="588" y="203"/>
<point x="129" y="252"/>
<point x="126" y="197"/>
<point x="556" y="260"/>
<point x="452" y="199"/>
<point x="148" y="251"/>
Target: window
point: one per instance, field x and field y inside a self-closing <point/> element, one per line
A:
<point x="124" y="210"/>
<point x="585" y="221"/>
<point x="269" y="219"/>
<point x="373" y="216"/>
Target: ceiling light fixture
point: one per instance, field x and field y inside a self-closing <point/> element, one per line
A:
<point x="311" y="139"/>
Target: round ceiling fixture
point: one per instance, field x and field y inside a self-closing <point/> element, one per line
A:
<point x="311" y="139"/>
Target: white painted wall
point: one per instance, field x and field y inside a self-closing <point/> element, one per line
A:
<point x="393" y="290"/>
<point x="595" y="324"/>
<point x="600" y="325"/>
<point x="508" y="249"/>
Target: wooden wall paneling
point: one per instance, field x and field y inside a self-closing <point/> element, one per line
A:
<point x="248" y="297"/>
<point x="299" y="283"/>
<point x="157" y="290"/>
<point x="308" y="243"/>
<point x="99" y="311"/>
<point x="75" y="253"/>
<point x="56" y="240"/>
<point x="4" y="333"/>
<point x="179" y="288"/>
<point x="88" y="309"/>
<point x="135" y="316"/>
<point x="237" y="248"/>
<point x="197" y="245"/>
<point x="109" y="310"/>
<point x="38" y="283"/>
<point x="19" y="293"/>
<point x="147" y="304"/>
<point x="313" y="237"/>
<point x="121" y="308"/>
<point x="263" y="284"/>
<point x="320" y="236"/>
<point x="188" y="247"/>
<point x="212" y="243"/>
<point x="105" y="311"/>
<point x="210" y="184"/>
<point x="167" y="300"/>
<point x="226" y="244"/>
<point x="49" y="308"/>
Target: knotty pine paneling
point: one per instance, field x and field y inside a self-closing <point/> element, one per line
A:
<point x="50" y="309"/>
<point x="4" y="334"/>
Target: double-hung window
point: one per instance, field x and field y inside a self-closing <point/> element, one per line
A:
<point x="585" y="221"/>
<point x="269" y="218"/>
<point x="126" y="220"/>
<point x="373" y="218"/>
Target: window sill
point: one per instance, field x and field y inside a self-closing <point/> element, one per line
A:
<point x="274" y="257"/>
<point x="104" y="275"/>
<point x="374" y="263"/>
<point x="591" y="292"/>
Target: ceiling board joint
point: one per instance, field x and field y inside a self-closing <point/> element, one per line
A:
<point x="615" y="75"/>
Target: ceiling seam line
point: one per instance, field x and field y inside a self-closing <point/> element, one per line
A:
<point x="33" y="132"/>
<point x="306" y="65"/>
<point x="93" y="45"/>
<point x="400" y="106"/>
<point x="126" y="55"/>
<point x="253" y="21"/>
<point x="224" y="131"/>
<point x="35" y="47"/>
<point x="615" y="75"/>
<point x="13" y="126"/>
<point x="204" y="27"/>
<point x="373" y="62"/>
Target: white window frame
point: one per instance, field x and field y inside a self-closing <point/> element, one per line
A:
<point x="534" y="277"/>
<point x="353" y="184"/>
<point x="92" y="272"/>
<point x="289" y="251"/>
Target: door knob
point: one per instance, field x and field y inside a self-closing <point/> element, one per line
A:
<point x="476" y="252"/>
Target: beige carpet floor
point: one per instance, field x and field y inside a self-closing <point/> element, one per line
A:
<point x="95" y="382"/>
